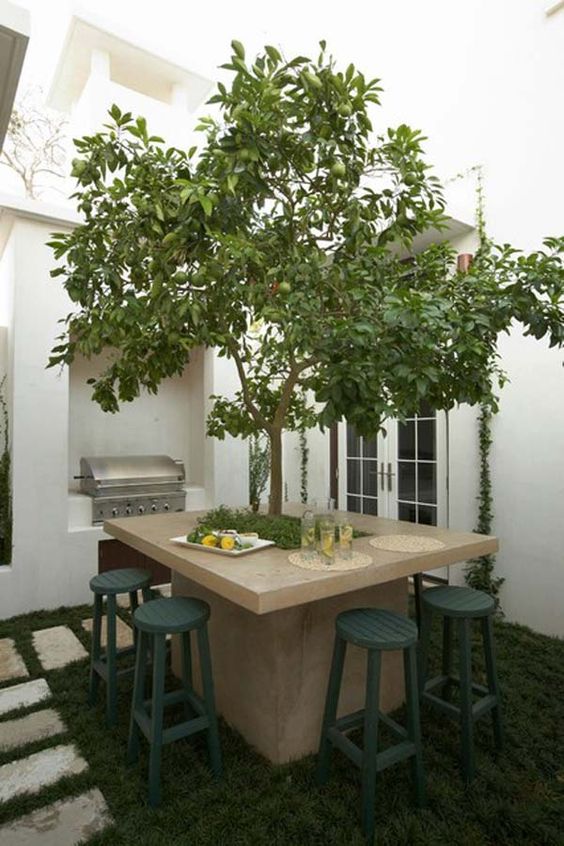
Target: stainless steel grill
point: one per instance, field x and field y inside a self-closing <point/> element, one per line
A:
<point x="130" y="485"/>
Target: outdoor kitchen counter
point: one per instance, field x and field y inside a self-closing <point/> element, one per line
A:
<point x="272" y="624"/>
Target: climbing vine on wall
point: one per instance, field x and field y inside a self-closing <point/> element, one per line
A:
<point x="5" y="482"/>
<point x="304" y="458"/>
<point x="479" y="572"/>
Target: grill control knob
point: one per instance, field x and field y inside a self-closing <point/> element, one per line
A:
<point x="115" y="512"/>
<point x="154" y="506"/>
<point x="166" y="506"/>
<point x="141" y="509"/>
<point x="128" y="509"/>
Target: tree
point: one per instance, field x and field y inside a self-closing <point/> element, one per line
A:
<point x="277" y="244"/>
<point x="34" y="147"/>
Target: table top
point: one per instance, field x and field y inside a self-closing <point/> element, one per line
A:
<point x="265" y="581"/>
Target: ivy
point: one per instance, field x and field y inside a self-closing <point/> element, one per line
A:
<point x="479" y="572"/>
<point x="5" y="482"/>
<point x="304" y="459"/>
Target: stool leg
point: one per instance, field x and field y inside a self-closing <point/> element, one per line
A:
<point x="95" y="650"/>
<point x="111" y="661"/>
<point x="370" y="753"/>
<point x="214" y="746"/>
<point x="414" y="725"/>
<point x="187" y="683"/>
<point x="331" y="705"/>
<point x="147" y="594"/>
<point x="447" y="655"/>
<point x="138" y="697"/>
<point x="493" y="684"/>
<point x="159" y="658"/>
<point x="133" y="605"/>
<point x="466" y="722"/>
<point x="424" y="639"/>
<point x="417" y="589"/>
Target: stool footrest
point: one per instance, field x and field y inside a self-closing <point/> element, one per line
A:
<point x="444" y="706"/>
<point x="483" y="706"/>
<point x="356" y="720"/>
<point x="174" y="697"/>
<point x="346" y="746"/>
<point x="441" y="681"/>
<point x="185" y="729"/>
<point x="100" y="666"/>
<point x="385" y="759"/>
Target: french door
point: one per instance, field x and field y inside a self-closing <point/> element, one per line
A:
<point x="401" y="473"/>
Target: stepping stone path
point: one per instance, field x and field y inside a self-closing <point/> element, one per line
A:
<point x="124" y="635"/>
<point x="57" y="647"/>
<point x="23" y="695"/>
<point x="11" y="663"/>
<point x="36" y="726"/>
<point x="64" y="823"/>
<point x="31" y="774"/>
<point x="68" y="821"/>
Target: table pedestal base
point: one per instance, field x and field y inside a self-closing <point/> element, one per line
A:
<point x="271" y="670"/>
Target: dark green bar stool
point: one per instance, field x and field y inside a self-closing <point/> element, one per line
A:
<point x="376" y="631"/>
<point x="461" y="605"/>
<point x="111" y="584"/>
<point x="154" y="620"/>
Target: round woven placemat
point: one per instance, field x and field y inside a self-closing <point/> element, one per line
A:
<point x="357" y="561"/>
<point x="406" y="543"/>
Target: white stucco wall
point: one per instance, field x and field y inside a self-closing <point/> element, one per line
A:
<point x="54" y="422"/>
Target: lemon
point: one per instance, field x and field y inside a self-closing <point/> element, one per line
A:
<point x="209" y="540"/>
<point x="327" y="545"/>
<point x="347" y="534"/>
<point x="227" y="542"/>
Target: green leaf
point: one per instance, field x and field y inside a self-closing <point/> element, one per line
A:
<point x="238" y="49"/>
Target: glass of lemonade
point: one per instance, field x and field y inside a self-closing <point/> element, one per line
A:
<point x="308" y="534"/>
<point x="345" y="540"/>
<point x="327" y="541"/>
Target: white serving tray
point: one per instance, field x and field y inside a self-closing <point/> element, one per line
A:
<point x="257" y="543"/>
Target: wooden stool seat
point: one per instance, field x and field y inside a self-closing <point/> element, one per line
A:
<point x="104" y="666"/>
<point x="115" y="582"/>
<point x="172" y="615"/>
<point x="459" y="601"/>
<point x="376" y="630"/>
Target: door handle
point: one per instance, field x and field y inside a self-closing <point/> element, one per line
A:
<point x="382" y="474"/>
<point x="389" y="475"/>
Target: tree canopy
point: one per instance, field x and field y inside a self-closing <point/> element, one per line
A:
<point x="282" y="243"/>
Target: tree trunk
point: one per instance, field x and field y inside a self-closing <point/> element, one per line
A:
<point x="275" y="498"/>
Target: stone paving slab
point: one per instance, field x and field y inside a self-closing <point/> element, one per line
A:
<point x="64" y="823"/>
<point x="29" y="729"/>
<point x="58" y="646"/>
<point x="124" y="635"/>
<point x="32" y="774"/>
<point x="23" y="695"/>
<point x="11" y="662"/>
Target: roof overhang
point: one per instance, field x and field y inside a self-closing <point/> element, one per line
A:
<point x="133" y="64"/>
<point x="14" y="36"/>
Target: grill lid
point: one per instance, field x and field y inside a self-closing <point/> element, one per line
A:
<point x="104" y="473"/>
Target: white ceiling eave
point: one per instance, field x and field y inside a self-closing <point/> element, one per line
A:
<point x="14" y="36"/>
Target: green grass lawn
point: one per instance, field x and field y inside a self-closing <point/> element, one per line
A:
<point x="517" y="799"/>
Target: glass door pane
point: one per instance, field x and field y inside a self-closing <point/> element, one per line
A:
<point x="361" y="483"/>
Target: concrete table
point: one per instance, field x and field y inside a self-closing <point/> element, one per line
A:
<point x="272" y="624"/>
